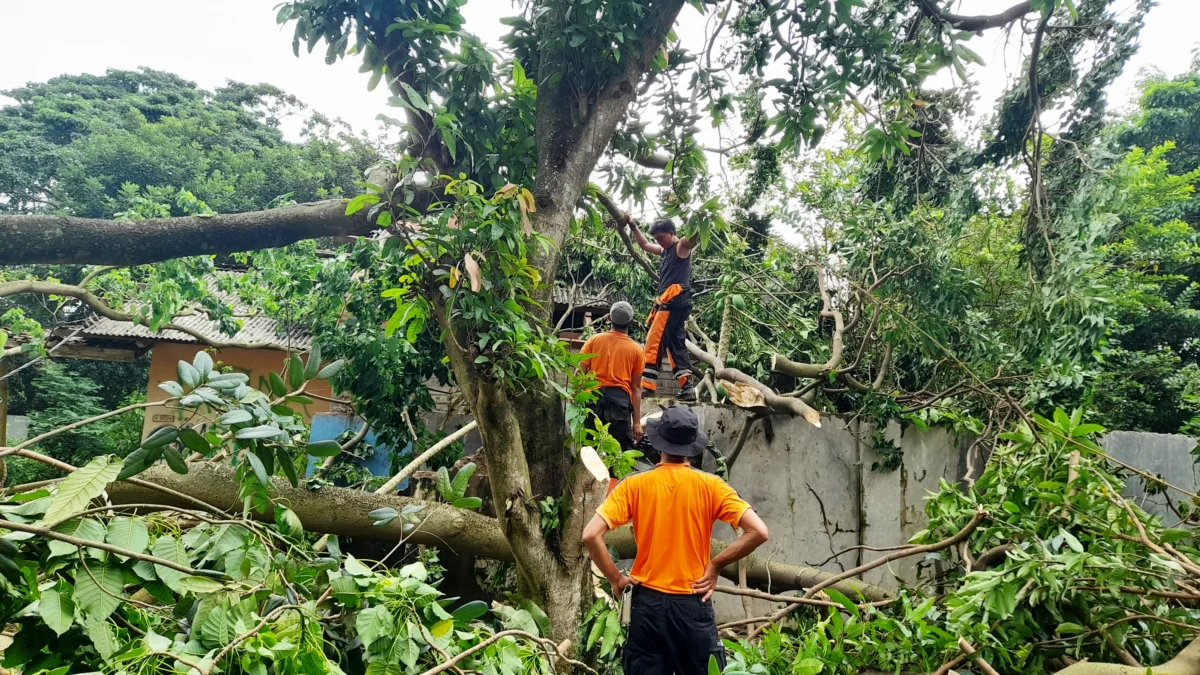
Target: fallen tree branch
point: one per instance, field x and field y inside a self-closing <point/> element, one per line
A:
<point x="953" y="540"/>
<point x="969" y="650"/>
<point x="49" y="239"/>
<point x="774" y="401"/>
<point x="390" y="485"/>
<point x="343" y="512"/>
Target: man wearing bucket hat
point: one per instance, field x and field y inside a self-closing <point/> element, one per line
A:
<point x="672" y="628"/>
<point x="617" y="365"/>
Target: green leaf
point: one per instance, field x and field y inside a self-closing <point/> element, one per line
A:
<point x="442" y="484"/>
<point x="324" y="449"/>
<point x="278" y="388"/>
<point x="171" y="387"/>
<point x="134" y="463"/>
<point x="170" y="548"/>
<point x="57" y="609"/>
<point x="98" y="597"/>
<point x="577" y="39"/>
<point x="459" y="486"/>
<point x="203" y="364"/>
<point x="1068" y="628"/>
<point x="130" y="533"/>
<point x="355" y="205"/>
<point x="295" y="372"/>
<point x="331" y="369"/>
<point x="417" y="101"/>
<point x="1071" y="541"/>
<point x="373" y="623"/>
<point x="807" y="666"/>
<point x="260" y="431"/>
<point x="1087" y="430"/>
<point x="188" y="374"/>
<point x="470" y="611"/>
<point x="82" y="486"/>
<point x="236" y="416"/>
<point x="288" y="464"/>
<point x="161" y="438"/>
<point x="468" y="503"/>
<point x="260" y="471"/>
<point x="314" y="362"/>
<point x="80" y="528"/>
<point x="192" y="440"/>
<point x="175" y="460"/>
<point x="200" y="585"/>
<point x="102" y="636"/>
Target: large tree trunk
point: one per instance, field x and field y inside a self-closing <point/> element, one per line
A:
<point x="343" y="512"/>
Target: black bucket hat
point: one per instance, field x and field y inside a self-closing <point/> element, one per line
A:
<point x="676" y="431"/>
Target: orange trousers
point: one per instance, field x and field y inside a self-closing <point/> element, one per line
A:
<point x="666" y="333"/>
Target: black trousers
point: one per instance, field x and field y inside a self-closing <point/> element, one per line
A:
<point x="671" y="635"/>
<point x="616" y="410"/>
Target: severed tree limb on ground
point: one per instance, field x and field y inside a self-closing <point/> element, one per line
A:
<point x="344" y="512"/>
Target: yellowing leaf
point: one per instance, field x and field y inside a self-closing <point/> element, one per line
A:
<point x="506" y="191"/>
<point x="454" y="275"/>
<point x="441" y="628"/>
<point x="473" y="272"/>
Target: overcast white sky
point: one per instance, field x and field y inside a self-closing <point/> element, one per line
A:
<point x="219" y="40"/>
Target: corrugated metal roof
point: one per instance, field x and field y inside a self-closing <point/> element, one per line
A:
<point x="590" y="294"/>
<point x="257" y="328"/>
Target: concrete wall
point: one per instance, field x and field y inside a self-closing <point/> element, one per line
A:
<point x="1167" y="456"/>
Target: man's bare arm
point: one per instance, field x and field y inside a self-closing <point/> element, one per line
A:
<point x="646" y="244"/>
<point x="754" y="534"/>
<point x="593" y="539"/>
<point x="685" y="246"/>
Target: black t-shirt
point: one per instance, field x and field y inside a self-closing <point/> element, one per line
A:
<point x="675" y="270"/>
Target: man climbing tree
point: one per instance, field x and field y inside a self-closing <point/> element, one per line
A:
<point x="672" y="305"/>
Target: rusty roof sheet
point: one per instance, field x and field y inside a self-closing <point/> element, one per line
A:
<point x="590" y="294"/>
<point x="256" y="330"/>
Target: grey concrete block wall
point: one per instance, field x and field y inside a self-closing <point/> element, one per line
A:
<point x="1168" y="456"/>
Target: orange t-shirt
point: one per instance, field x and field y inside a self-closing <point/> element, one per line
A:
<point x="673" y="507"/>
<point x="618" y="362"/>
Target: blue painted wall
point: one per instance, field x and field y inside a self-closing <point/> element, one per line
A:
<point x="328" y="426"/>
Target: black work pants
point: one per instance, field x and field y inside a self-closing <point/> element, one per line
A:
<point x="616" y="410"/>
<point x="671" y="635"/>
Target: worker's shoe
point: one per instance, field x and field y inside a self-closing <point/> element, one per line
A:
<point x="688" y="393"/>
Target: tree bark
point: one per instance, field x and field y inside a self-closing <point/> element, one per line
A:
<point x="44" y="239"/>
<point x="343" y="512"/>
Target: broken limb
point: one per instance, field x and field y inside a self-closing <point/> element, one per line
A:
<point x="394" y="481"/>
<point x="772" y="400"/>
<point x="951" y="541"/>
<point x="340" y="511"/>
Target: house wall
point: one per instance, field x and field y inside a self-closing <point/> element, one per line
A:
<point x="254" y="362"/>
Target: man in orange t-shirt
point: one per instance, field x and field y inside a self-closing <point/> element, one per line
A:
<point x="672" y="627"/>
<point x="617" y="365"/>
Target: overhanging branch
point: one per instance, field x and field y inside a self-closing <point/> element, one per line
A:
<point x="47" y="239"/>
<point x="979" y="22"/>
